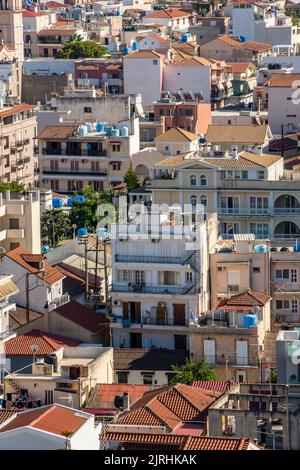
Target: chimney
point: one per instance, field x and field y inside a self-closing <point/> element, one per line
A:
<point x="126" y="402"/>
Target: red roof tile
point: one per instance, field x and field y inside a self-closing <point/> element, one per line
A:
<point x="29" y="13"/>
<point x="5" y="415"/>
<point x="15" y="109"/>
<point x="165" y="13"/>
<point x="187" y="443"/>
<point x="216" y="386"/>
<point x="245" y="299"/>
<point x="83" y="316"/>
<point x="51" y="274"/>
<point x="47" y="343"/>
<point x="54" y="419"/>
<point x="103" y="395"/>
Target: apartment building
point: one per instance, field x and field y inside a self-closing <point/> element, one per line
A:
<point x="178" y="20"/>
<point x="222" y="138"/>
<point x="243" y="82"/>
<point x="99" y="73"/>
<point x="228" y="342"/>
<point x="283" y="94"/>
<point x="17" y="134"/>
<point x="11" y="26"/>
<point x="259" y="22"/>
<point x="158" y="285"/>
<point x="33" y="23"/>
<point x="20" y="221"/>
<point x="10" y="75"/>
<point x="250" y="184"/>
<point x="73" y="156"/>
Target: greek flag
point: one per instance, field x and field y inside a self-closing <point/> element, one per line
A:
<point x="192" y="316"/>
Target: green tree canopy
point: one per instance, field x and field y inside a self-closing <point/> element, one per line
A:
<point x="131" y="180"/>
<point x="191" y="371"/>
<point x="13" y="186"/>
<point x="55" y="226"/>
<point x="77" y="48"/>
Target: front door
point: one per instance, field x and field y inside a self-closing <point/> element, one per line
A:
<point x="179" y="314"/>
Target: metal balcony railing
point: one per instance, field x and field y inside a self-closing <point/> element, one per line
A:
<point x="146" y="289"/>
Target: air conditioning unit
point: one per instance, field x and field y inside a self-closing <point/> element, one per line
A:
<point x="117" y="303"/>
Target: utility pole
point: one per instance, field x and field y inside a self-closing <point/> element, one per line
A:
<point x="105" y="277"/>
<point x="27" y="298"/>
<point x="96" y="263"/>
<point x="86" y="270"/>
<point x="287" y="417"/>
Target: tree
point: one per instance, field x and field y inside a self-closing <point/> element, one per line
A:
<point x="55" y="225"/>
<point x="84" y="214"/>
<point x="193" y="370"/>
<point x="13" y="186"/>
<point x="131" y="180"/>
<point x="77" y="48"/>
<point x="67" y="435"/>
<point x="200" y="7"/>
<point x="273" y="376"/>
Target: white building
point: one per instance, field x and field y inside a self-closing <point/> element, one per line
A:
<point x="44" y="428"/>
<point x="160" y="279"/>
<point x="260" y="23"/>
<point x="283" y="95"/>
<point x="177" y="20"/>
<point x="33" y="274"/>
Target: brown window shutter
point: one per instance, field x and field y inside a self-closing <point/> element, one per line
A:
<point x="125" y="311"/>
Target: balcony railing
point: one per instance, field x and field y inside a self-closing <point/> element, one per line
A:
<point x="146" y="289"/>
<point x="148" y="259"/>
<point x="58" y="302"/>
<point x="148" y="320"/>
<point x="286" y="211"/>
<point x="75" y="152"/>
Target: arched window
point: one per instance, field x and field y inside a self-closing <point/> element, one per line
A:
<point x="193" y="200"/>
<point x="203" y="200"/>
<point x="193" y="180"/>
<point x="203" y="180"/>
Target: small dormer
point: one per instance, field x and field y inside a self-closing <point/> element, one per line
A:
<point x="35" y="261"/>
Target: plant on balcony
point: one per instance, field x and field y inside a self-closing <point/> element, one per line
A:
<point x="13" y="186"/>
<point x="193" y="370"/>
<point x="77" y="48"/>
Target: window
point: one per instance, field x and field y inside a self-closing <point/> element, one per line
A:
<point x="87" y="109"/>
<point x="193" y="200"/>
<point x="116" y="166"/>
<point x="116" y="147"/>
<point x="188" y="276"/>
<point x="223" y="174"/>
<point x="147" y="379"/>
<point x="193" y="180"/>
<point x="282" y="274"/>
<point x="203" y="180"/>
<point x="244" y="174"/>
<point x="229" y="228"/>
<point x="230" y="204"/>
<point x="209" y="350"/>
<point x="124" y="275"/>
<point x="14" y="224"/>
<point x="259" y="205"/>
<point x="155" y="62"/>
<point x="166" y="148"/>
<point x="233" y="281"/>
<point x="282" y="304"/>
<point x="256" y="269"/>
<point x="14" y="245"/>
<point x="260" y="230"/>
<point x="122" y="377"/>
<point x="242" y="353"/>
<point x="167" y="277"/>
<point x="294" y="306"/>
<point x="139" y="277"/>
<point x="260" y="175"/>
<point x="294" y="275"/>
<point x="203" y="200"/>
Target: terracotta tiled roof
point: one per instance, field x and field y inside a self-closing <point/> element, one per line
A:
<point x="29" y="14"/>
<point x="83" y="316"/>
<point x="31" y="258"/>
<point x="15" y="109"/>
<point x="144" y="55"/>
<point x="158" y="38"/>
<point x="247" y="299"/>
<point x="284" y="80"/>
<point x="256" y="46"/>
<point x="51" y="274"/>
<point x="164" y="13"/>
<point x="176" y="135"/>
<point x="239" y="67"/>
<point x="229" y="41"/>
<point x="216" y="386"/>
<point x="47" y="343"/>
<point x="5" y="415"/>
<point x="188" y="443"/>
<point x="58" y="132"/>
<point x="251" y="134"/>
<point x="103" y="395"/>
<point x="54" y="419"/>
<point x="147" y="359"/>
<point x="245" y="160"/>
<point x="57" y="31"/>
<point x="170" y="405"/>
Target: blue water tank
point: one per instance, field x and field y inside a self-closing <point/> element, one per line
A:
<point x="57" y="202"/>
<point x="250" y="321"/>
<point x="100" y="127"/>
<point x="81" y="232"/>
<point x="45" y="249"/>
<point x="260" y="248"/>
<point x="185" y="37"/>
<point x="70" y="201"/>
<point x="118" y="13"/>
<point x="90" y="127"/>
<point x="135" y="46"/>
<point x="115" y="132"/>
<point x="296" y="247"/>
<point x="83" y="130"/>
<point x="243" y="38"/>
<point x="79" y="198"/>
<point x="109" y="130"/>
<point x="127" y="50"/>
<point x="124" y="131"/>
<point x="202" y="138"/>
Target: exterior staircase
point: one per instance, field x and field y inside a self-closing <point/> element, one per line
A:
<point x="192" y="258"/>
<point x="14" y="386"/>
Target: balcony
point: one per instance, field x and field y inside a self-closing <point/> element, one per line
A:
<point x="75" y="153"/>
<point x="147" y="322"/>
<point x="238" y="211"/>
<point x="282" y="211"/>
<point x="78" y="173"/>
<point x="58" y="302"/>
<point x="148" y="259"/>
<point x="148" y="289"/>
<point x="15" y="233"/>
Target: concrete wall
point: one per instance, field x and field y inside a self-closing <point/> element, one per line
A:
<point x="37" y="88"/>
